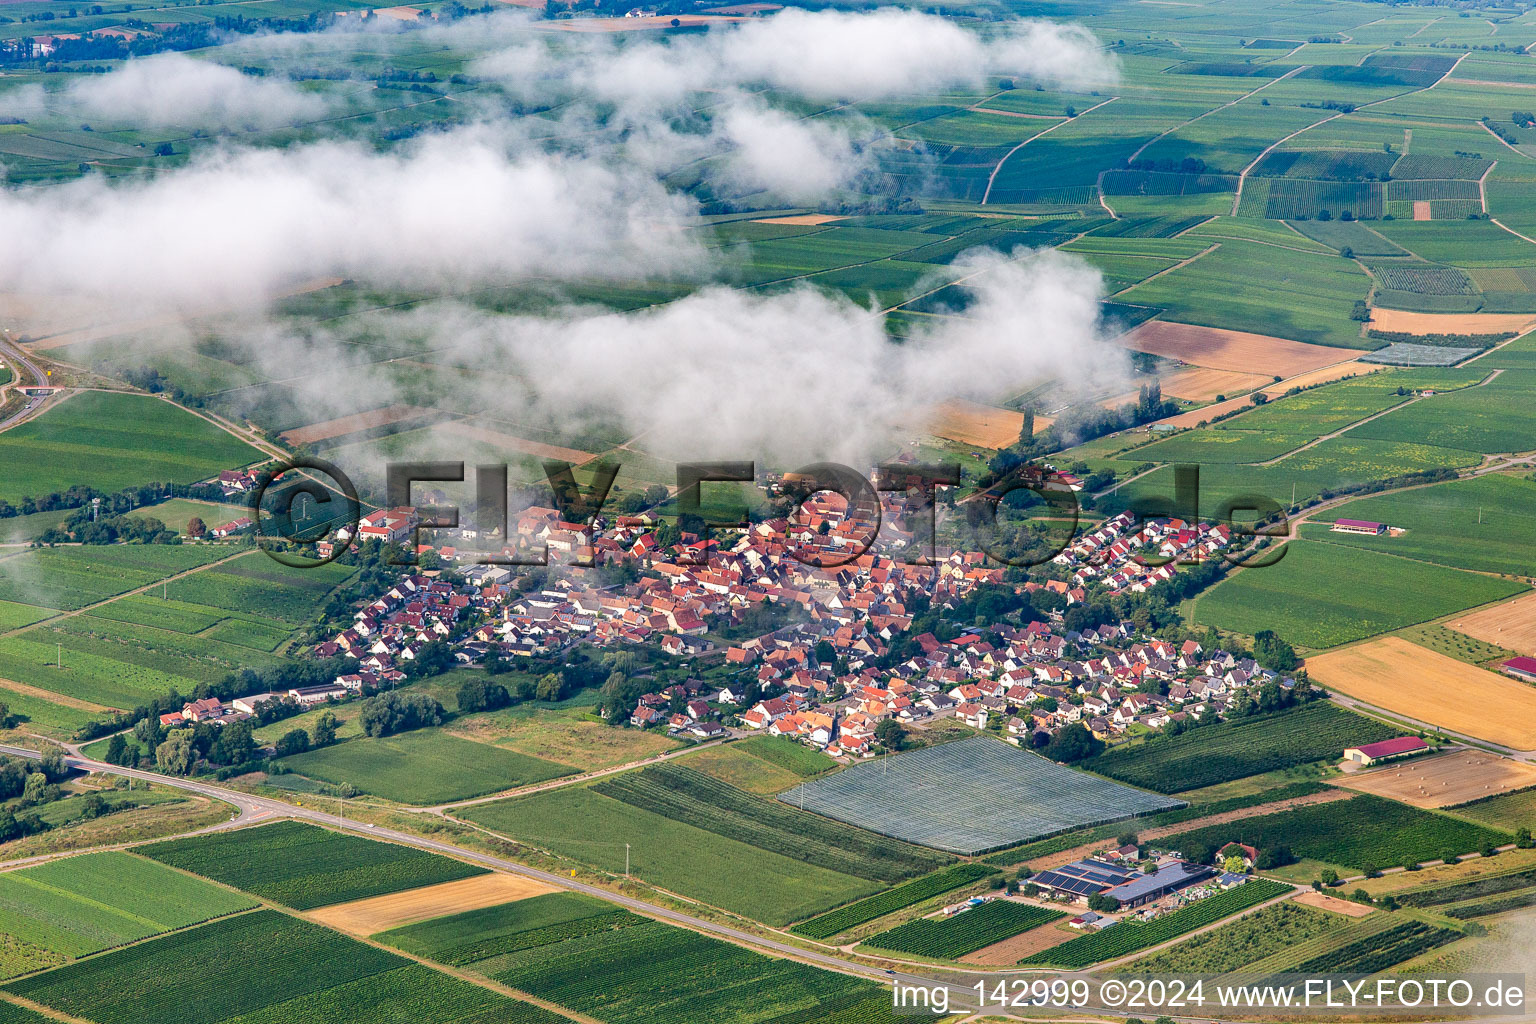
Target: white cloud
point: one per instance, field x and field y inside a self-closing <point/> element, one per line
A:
<point x="174" y="89"/>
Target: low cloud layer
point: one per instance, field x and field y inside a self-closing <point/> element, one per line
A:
<point x="171" y="89"/>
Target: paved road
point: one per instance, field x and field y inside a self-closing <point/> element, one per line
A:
<point x="25" y="367"/>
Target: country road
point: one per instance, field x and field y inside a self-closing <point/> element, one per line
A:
<point x="17" y="357"/>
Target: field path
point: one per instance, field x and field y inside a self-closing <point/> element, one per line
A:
<point x="1052" y="860"/>
<point x="1168" y="270"/>
<point x="1242" y="176"/>
<point x="564" y="780"/>
<point x="118" y="597"/>
<point x="993" y="176"/>
<point x="1179" y="127"/>
<point x="27" y="690"/>
<point x="1110" y="965"/>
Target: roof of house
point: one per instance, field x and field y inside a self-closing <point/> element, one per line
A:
<point x="1521" y="664"/>
<point x="1365" y="524"/>
<point x="1386" y="748"/>
<point x="1168" y="877"/>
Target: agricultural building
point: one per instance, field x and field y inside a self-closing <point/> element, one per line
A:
<point x="1364" y="526"/>
<point x="1083" y="878"/>
<point x="1521" y="668"/>
<point x="1386" y="750"/>
<point x="1169" y="877"/>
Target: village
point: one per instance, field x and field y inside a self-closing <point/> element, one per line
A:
<point x="828" y="677"/>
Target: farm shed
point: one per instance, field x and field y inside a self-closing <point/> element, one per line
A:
<point x="1521" y="668"/>
<point x="1170" y="877"/>
<point x="1385" y="750"/>
<point x="1359" y="526"/>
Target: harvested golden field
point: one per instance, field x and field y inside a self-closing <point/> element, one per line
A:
<point x="1445" y="779"/>
<point x="1231" y="350"/>
<point x="378" y="913"/>
<point x="1016" y="947"/>
<point x="1449" y="323"/>
<point x="1322" y="901"/>
<point x="352" y="424"/>
<point x="513" y="443"/>
<point x="1201" y="383"/>
<point x="985" y="426"/>
<point x="1511" y="624"/>
<point x="1414" y="681"/>
<point x="805" y="219"/>
<point x="1327" y="374"/>
<point x="1422" y="209"/>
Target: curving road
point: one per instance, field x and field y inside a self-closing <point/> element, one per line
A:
<point x="18" y="358"/>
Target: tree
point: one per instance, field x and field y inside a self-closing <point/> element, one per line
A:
<point x="6" y="721"/>
<point x="1103" y="904"/>
<point x="35" y="791"/>
<point x="433" y="659"/>
<point x="235" y="744"/>
<point x="1523" y="839"/>
<point x="196" y="528"/>
<point x="325" y="729"/>
<point x="1272" y="651"/>
<point x="1027" y="429"/>
<point x="117" y="750"/>
<point x="892" y="734"/>
<point x="176" y="756"/>
<point x="1277" y="856"/>
<point x="550" y="687"/>
<point x="1073" y="743"/>
<point x="1127" y="838"/>
<point x="1329" y="877"/>
<point x="294" y="741"/>
<point x="392" y="712"/>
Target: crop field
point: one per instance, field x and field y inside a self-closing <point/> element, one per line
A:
<point x="1264" y="290"/>
<point x="463" y="937"/>
<point x="1482" y="524"/>
<point x="1358" y="833"/>
<point x="71" y="578"/>
<point x="426" y="766"/>
<point x="1382" y="950"/>
<point x="1511" y="625"/>
<point x="892" y="900"/>
<point x="68" y="908"/>
<point x="265" y="968"/>
<point x="1485" y="419"/>
<point x="1230" y="350"/>
<point x="1244" y="941"/>
<point x="1421" y="684"/>
<point x="625" y="969"/>
<point x="1128" y="937"/>
<point x="1322" y="595"/>
<point x="952" y="937"/>
<point x="397" y="909"/>
<point x="646" y="972"/>
<point x="1445" y="779"/>
<point x="946" y="793"/>
<point x="1300" y="199"/>
<point x="1422" y="278"/>
<point x="682" y="794"/>
<point x="304" y="866"/>
<point x="255" y="585"/>
<point x="1236" y="749"/>
<point x="14" y="616"/>
<point x="592" y="829"/>
<point x="1476" y="889"/>
<point x="110" y="441"/>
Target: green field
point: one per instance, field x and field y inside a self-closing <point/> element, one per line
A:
<point x="1485" y="524"/>
<point x="79" y="905"/>
<point x="891" y="900"/>
<point x="684" y="795"/>
<point x="592" y="829"/>
<point x="426" y="766"/>
<point x="254" y="585"/>
<point x="71" y="578"/>
<point x="1235" y="749"/>
<point x="304" y="866"/>
<point x="1244" y="941"/>
<point x="966" y="932"/>
<point x="110" y="441"/>
<point x="1361" y="832"/>
<point x="1322" y="595"/>
<point x="266" y="968"/>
